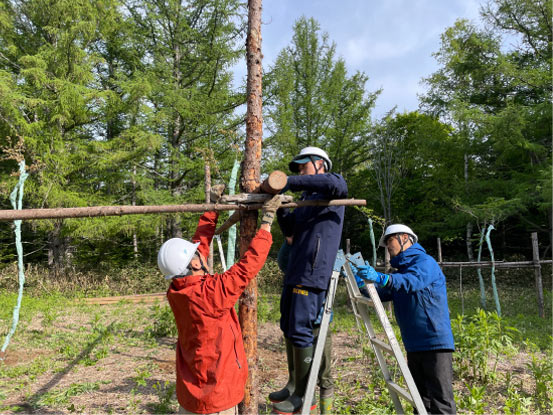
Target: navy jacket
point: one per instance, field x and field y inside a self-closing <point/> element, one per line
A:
<point x="316" y="229"/>
<point x="418" y="292"/>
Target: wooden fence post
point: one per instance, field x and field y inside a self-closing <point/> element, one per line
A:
<point x="439" y="250"/>
<point x="537" y="273"/>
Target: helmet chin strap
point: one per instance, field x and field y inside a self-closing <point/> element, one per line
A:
<point x="202" y="265"/>
<point x="401" y="243"/>
<point x="315" y="165"/>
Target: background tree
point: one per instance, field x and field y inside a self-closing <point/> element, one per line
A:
<point x="498" y="97"/>
<point x="114" y="103"/>
<point x="311" y="101"/>
<point x="191" y="45"/>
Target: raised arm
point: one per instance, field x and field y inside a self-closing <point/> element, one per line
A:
<point x="331" y="184"/>
<point x="205" y="231"/>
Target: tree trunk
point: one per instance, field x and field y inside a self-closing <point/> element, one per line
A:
<point x="57" y="250"/>
<point x="249" y="182"/>
<point x="468" y="240"/>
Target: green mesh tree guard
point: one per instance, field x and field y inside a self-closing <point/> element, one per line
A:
<point x="231" y="241"/>
<point x="479" y="270"/>
<point x="372" y="241"/>
<point x="16" y="198"/>
<point x="494" y="286"/>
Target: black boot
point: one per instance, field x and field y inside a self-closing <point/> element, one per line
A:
<point x="303" y="356"/>
<point x="285" y="392"/>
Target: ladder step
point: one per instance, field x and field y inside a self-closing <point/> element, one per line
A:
<point x="400" y="391"/>
<point x="363" y="299"/>
<point x="382" y="345"/>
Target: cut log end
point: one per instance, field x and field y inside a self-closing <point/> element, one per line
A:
<point x="274" y="183"/>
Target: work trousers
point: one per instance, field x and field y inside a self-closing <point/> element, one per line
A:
<point x="299" y="309"/>
<point x="433" y="374"/>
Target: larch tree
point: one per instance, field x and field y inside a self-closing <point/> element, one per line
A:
<point x="497" y="95"/>
<point x="311" y="101"/>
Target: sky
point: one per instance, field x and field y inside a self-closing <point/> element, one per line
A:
<point x="391" y="41"/>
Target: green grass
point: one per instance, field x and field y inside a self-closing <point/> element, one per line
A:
<point x="57" y="397"/>
<point x="71" y="334"/>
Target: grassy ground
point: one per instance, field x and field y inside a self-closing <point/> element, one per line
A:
<point x="70" y="357"/>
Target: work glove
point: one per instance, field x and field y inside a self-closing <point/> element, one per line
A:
<point x="269" y="209"/>
<point x="368" y="273"/>
<point x="216" y="193"/>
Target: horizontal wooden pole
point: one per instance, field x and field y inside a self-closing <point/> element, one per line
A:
<point x="98" y="211"/>
<point x="137" y="298"/>
<point x="483" y="264"/>
<point x="253" y="198"/>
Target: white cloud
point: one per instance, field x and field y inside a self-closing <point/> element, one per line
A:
<point x="390" y="40"/>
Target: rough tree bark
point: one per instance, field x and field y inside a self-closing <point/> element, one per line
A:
<point x="249" y="182"/>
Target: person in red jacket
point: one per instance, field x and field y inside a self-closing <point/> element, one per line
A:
<point x="210" y="359"/>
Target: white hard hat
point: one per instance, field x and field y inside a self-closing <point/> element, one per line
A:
<point x="306" y="155"/>
<point x="174" y="256"/>
<point x="397" y="228"/>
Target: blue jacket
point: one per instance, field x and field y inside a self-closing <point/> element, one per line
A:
<point x="418" y="291"/>
<point x="316" y="229"/>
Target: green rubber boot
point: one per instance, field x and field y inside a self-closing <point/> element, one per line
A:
<point x="327" y="400"/>
<point x="288" y="390"/>
<point x="303" y="356"/>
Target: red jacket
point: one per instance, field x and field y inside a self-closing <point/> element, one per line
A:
<point x="211" y="362"/>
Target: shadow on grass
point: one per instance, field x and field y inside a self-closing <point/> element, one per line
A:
<point x="31" y="403"/>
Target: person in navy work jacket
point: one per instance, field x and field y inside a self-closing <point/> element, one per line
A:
<point x="313" y="234"/>
<point x="418" y="292"/>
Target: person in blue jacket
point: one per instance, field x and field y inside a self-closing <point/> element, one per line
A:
<point x="312" y="236"/>
<point x="418" y="292"/>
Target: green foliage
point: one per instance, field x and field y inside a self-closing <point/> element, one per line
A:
<point x="268" y="308"/>
<point x="62" y="396"/>
<point x="163" y="322"/>
<point x="498" y="100"/>
<point x="479" y="340"/>
<point x="516" y="403"/>
<point x="541" y="368"/>
<point x="311" y="101"/>
<point x="474" y="401"/>
<point x="165" y="393"/>
<point x="270" y="278"/>
<point x="142" y="374"/>
<point x="106" y="111"/>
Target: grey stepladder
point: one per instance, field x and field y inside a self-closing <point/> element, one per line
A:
<point x="361" y="306"/>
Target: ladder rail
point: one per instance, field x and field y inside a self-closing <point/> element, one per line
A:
<point x="363" y="309"/>
<point x="398" y="353"/>
<point x="321" y="340"/>
<point x="352" y="300"/>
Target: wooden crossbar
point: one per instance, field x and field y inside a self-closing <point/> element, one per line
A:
<point x="98" y="211"/>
